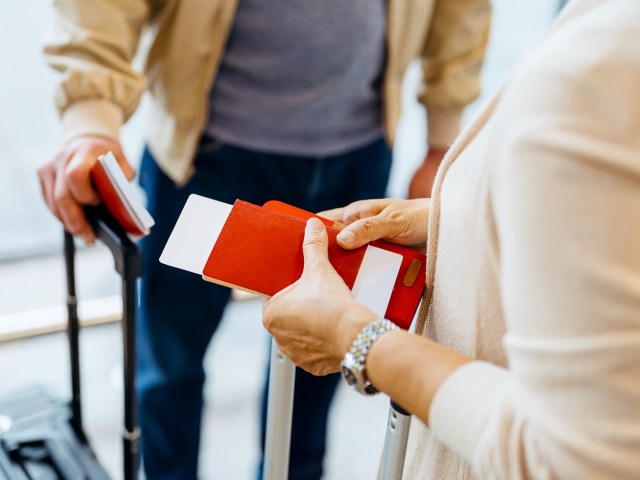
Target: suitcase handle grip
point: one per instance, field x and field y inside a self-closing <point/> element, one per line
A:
<point x="125" y="253"/>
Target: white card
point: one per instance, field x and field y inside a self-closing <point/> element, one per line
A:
<point x="195" y="234"/>
<point x="129" y="197"/>
<point x="376" y="278"/>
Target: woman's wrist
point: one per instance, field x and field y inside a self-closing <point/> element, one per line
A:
<point x="351" y="322"/>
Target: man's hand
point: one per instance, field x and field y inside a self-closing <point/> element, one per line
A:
<point x="423" y="178"/>
<point x="404" y="222"/>
<point x="65" y="181"/>
<point x="315" y="320"/>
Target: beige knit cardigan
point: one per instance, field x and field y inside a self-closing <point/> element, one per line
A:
<point x="534" y="266"/>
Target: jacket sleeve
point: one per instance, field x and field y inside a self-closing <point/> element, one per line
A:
<point x="564" y="149"/>
<point x="452" y="59"/>
<point x="92" y="43"/>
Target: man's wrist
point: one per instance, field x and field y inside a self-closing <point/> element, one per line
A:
<point x="435" y="150"/>
<point x="443" y="125"/>
<point x="92" y="118"/>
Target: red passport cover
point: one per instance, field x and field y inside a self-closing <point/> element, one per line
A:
<point x="260" y="249"/>
<point x="111" y="199"/>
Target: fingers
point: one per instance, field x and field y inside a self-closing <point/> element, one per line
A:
<point x="69" y="209"/>
<point x="78" y="178"/>
<point x="125" y="166"/>
<point x="47" y="177"/>
<point x="356" y="210"/>
<point x="336" y="214"/>
<point x="315" y="245"/>
<point x="364" y="231"/>
<point x="58" y="181"/>
<point x="363" y="220"/>
<point x="364" y="209"/>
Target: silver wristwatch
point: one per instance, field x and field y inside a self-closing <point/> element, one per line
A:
<point x="353" y="364"/>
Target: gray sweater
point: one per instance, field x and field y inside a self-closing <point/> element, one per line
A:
<point x="301" y="77"/>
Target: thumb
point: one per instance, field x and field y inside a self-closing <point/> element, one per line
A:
<point x="364" y="231"/>
<point x="315" y="245"/>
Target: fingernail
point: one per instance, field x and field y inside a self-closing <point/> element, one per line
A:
<point x="314" y="225"/>
<point x="346" y="237"/>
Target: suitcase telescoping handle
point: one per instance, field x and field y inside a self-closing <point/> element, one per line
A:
<point x="128" y="264"/>
<point x="395" y="443"/>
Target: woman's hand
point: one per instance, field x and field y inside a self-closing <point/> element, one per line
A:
<point x="315" y="320"/>
<point x="404" y="222"/>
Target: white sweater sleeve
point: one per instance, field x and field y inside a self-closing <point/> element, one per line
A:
<point x="566" y="197"/>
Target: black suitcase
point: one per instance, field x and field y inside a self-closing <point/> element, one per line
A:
<point x="41" y="437"/>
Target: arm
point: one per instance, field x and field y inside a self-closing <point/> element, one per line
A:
<point x="398" y="221"/>
<point x="568" y="408"/>
<point x="315" y="333"/>
<point x="92" y="44"/>
<point x="566" y="198"/>
<point x="451" y="62"/>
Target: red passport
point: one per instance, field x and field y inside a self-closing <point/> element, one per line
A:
<point x="264" y="254"/>
<point x="410" y="282"/>
<point x="118" y="196"/>
<point x="259" y="249"/>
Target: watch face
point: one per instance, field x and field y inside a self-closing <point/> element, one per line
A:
<point x="348" y="375"/>
<point x="348" y="370"/>
<point x="352" y="372"/>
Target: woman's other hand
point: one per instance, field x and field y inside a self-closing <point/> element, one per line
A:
<point x="404" y="222"/>
<point x="315" y="320"/>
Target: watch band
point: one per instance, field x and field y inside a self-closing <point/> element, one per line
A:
<point x="354" y="362"/>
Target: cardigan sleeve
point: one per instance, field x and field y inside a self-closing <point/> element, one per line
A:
<point x="566" y="198"/>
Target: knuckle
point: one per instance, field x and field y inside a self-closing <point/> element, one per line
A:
<point x="61" y="158"/>
<point x="266" y="323"/>
<point x="364" y="210"/>
<point x="351" y="212"/>
<point x="368" y="226"/>
<point x="63" y="199"/>
<point x="395" y="215"/>
<point x="313" y="241"/>
<point x="73" y="226"/>
<point x="71" y="170"/>
<point x="77" y="225"/>
<point x="266" y="318"/>
<point x="71" y="176"/>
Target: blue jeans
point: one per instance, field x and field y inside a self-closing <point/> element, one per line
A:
<point x="179" y="312"/>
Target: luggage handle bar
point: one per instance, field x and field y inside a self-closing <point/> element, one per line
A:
<point x="128" y="264"/>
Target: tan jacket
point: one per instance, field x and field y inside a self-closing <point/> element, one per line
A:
<point x="93" y="43"/>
